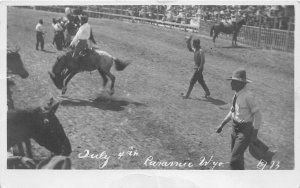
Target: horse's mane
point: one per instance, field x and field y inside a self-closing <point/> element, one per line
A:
<point x="68" y="54"/>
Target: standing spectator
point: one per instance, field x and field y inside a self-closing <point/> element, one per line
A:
<point x="233" y="19"/>
<point x="40" y="35"/>
<point x="53" y="25"/>
<point x="71" y="30"/>
<point x="246" y="118"/>
<point x="58" y="34"/>
<point x="199" y="59"/>
<point x="67" y="11"/>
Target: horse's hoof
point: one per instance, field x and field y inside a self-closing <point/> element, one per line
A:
<point x="111" y="92"/>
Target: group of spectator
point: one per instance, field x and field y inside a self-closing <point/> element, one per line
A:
<point x="268" y="16"/>
<point x="276" y="17"/>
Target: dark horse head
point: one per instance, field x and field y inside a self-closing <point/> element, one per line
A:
<point x="42" y="125"/>
<point x="61" y="63"/>
<point x="15" y="64"/>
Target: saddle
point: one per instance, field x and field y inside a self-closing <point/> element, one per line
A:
<point x="86" y="52"/>
<point x="84" y="62"/>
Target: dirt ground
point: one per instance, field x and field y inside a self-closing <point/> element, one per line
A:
<point x="146" y="114"/>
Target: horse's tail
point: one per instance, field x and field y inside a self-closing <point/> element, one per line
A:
<point x="120" y="65"/>
<point x="212" y="30"/>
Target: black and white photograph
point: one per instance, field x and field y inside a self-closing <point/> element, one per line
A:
<point x="167" y="87"/>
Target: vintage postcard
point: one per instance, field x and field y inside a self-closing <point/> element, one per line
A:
<point x="149" y="94"/>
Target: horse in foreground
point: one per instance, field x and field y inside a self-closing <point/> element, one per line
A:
<point x="53" y="162"/>
<point x="64" y="69"/>
<point x="40" y="124"/>
<point x="227" y="29"/>
<point x="15" y="64"/>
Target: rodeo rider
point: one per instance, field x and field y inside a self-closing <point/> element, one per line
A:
<point x="82" y="38"/>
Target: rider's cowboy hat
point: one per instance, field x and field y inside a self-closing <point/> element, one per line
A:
<point x="239" y="75"/>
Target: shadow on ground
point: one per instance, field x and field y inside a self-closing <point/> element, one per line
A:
<point x="47" y="51"/>
<point x="234" y="47"/>
<point x="102" y="102"/>
<point x="212" y="100"/>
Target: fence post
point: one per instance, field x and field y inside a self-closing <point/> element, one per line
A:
<point x="157" y="13"/>
<point x="259" y="32"/>
<point x="287" y="37"/>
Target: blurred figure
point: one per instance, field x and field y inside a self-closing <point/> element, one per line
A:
<point x="53" y="24"/>
<point x="58" y="34"/>
<point x="67" y="11"/>
<point x="40" y="35"/>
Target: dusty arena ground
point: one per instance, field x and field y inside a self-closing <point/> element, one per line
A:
<point x="147" y="111"/>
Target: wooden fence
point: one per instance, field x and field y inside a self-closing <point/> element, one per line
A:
<point x="253" y="36"/>
<point x="275" y="39"/>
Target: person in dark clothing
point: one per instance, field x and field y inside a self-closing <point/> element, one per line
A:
<point x="199" y="59"/>
<point x="40" y="35"/>
<point x="58" y="34"/>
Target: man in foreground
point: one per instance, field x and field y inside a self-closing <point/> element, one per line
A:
<point x="246" y="118"/>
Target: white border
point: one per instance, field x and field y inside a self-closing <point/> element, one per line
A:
<point x="107" y="178"/>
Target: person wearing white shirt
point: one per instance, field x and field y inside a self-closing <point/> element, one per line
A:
<point x="81" y="39"/>
<point x="246" y="117"/>
<point x="58" y="34"/>
<point x="234" y="20"/>
<point x="39" y="35"/>
<point x="67" y="11"/>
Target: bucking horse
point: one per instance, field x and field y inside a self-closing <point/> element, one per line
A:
<point x="64" y="69"/>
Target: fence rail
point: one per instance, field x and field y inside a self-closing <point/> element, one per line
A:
<point x="281" y="40"/>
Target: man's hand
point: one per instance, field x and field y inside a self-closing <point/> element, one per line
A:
<point x="219" y="129"/>
<point x="188" y="38"/>
<point x="71" y="46"/>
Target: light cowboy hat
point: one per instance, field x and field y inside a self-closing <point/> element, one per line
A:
<point x="239" y="75"/>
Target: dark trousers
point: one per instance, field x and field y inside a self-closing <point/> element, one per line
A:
<point x="59" y="39"/>
<point x="82" y="44"/>
<point x="240" y="140"/>
<point x="39" y="40"/>
<point x="198" y="76"/>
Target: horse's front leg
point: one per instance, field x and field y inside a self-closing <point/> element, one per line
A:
<point x="234" y="40"/>
<point x="214" y="40"/>
<point x="66" y="81"/>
